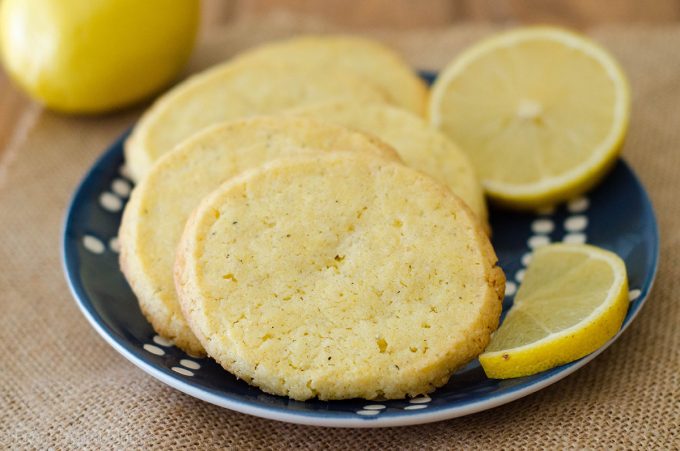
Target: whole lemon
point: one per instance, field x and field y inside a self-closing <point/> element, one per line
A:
<point x="88" y="56"/>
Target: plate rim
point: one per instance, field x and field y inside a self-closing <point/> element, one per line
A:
<point x="301" y="417"/>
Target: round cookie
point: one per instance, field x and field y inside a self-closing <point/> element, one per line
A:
<point x="159" y="206"/>
<point x="363" y="57"/>
<point x="231" y="91"/>
<point x="338" y="276"/>
<point x="418" y="144"/>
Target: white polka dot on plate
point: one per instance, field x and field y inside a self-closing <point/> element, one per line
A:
<point x="543" y="226"/>
<point x="510" y="288"/>
<point x="416" y="407"/>
<point x="153" y="349"/>
<point x="121" y="187"/>
<point x="368" y="413"/>
<point x="114" y="245"/>
<point x="190" y="364"/>
<point x="633" y="294"/>
<point x="162" y="341"/>
<point x="538" y="241"/>
<point x="420" y="400"/>
<point x="578" y="205"/>
<point x="110" y="202"/>
<point x="93" y="244"/>
<point x="182" y="371"/>
<point x="125" y="172"/>
<point x="526" y="258"/>
<point x="575" y="238"/>
<point x="576" y="223"/>
<point x="519" y="275"/>
<point x="375" y="407"/>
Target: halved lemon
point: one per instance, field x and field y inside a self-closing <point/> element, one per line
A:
<point x="541" y="111"/>
<point x="573" y="299"/>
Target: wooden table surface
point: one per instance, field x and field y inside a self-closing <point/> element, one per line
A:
<point x="398" y="14"/>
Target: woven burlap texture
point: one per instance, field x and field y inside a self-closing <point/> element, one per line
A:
<point x="62" y="386"/>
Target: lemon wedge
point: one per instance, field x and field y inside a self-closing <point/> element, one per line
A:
<point x="573" y="299"/>
<point x="541" y="111"/>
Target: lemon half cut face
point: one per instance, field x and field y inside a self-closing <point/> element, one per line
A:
<point x="542" y="113"/>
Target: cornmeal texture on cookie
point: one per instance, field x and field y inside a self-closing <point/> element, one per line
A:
<point x="338" y="276"/>
<point x="160" y="205"/>
<point x="231" y="91"/>
<point x="363" y="57"/>
<point x="418" y="144"/>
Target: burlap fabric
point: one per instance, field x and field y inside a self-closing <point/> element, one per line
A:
<point x="62" y="386"/>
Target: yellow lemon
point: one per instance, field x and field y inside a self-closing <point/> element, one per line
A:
<point x="542" y="113"/>
<point x="96" y="55"/>
<point x="573" y="299"/>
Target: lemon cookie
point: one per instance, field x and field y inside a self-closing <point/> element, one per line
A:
<point x="338" y="276"/>
<point x="366" y="58"/>
<point x="420" y="145"/>
<point x="231" y="91"/>
<point x="159" y="206"/>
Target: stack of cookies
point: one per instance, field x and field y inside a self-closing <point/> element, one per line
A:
<point x="296" y="219"/>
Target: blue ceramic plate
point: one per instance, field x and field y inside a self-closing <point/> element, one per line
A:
<point x="617" y="215"/>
